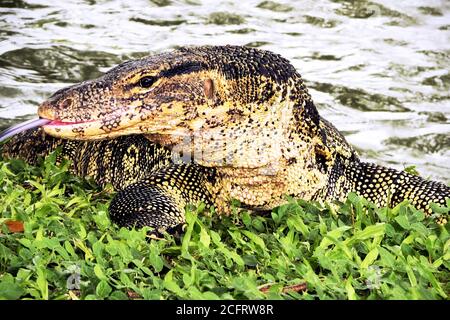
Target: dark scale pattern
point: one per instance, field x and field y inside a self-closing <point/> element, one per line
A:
<point x="338" y="184"/>
<point x="389" y="187"/>
<point x="246" y="112"/>
<point x="142" y="205"/>
<point x="229" y="60"/>
<point x="160" y="198"/>
<point x="31" y="145"/>
<point x="246" y="66"/>
<point x="123" y="160"/>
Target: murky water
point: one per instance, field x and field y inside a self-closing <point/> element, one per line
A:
<point x="378" y="70"/>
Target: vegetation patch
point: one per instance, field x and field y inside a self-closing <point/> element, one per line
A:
<point x="57" y="242"/>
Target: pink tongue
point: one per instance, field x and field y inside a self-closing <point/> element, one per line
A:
<point x="61" y="123"/>
<point x="33" y="123"/>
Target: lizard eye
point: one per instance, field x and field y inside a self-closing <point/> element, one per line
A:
<point x="147" y="82"/>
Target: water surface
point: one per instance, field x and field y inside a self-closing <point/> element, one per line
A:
<point x="378" y="70"/>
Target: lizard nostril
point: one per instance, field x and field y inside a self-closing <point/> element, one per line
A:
<point x="67" y="103"/>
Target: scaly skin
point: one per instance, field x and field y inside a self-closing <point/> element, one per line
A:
<point x="154" y="186"/>
<point x="245" y="118"/>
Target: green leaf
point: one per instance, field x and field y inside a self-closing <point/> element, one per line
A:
<point x="231" y="254"/>
<point x="250" y="260"/>
<point x="412" y="170"/>
<point x="156" y="261"/>
<point x="98" y="270"/>
<point x="246" y="219"/>
<point x="412" y="278"/>
<point x="5" y="169"/>
<point x="333" y="234"/>
<point x="386" y="257"/>
<point x="97" y="249"/>
<point x="190" y="220"/>
<point x="351" y="294"/>
<point x="215" y="237"/>
<point x="118" y="295"/>
<point x="187" y="280"/>
<point x="204" y="237"/>
<point x="125" y="280"/>
<point x="170" y="284"/>
<point x="69" y="248"/>
<point x="298" y="224"/>
<point x="255" y="238"/>
<point x="10" y="290"/>
<point x="82" y="232"/>
<point x="258" y="224"/>
<point x="370" y="258"/>
<point x="103" y="289"/>
<point x="368" y="233"/>
<point x="42" y="283"/>
<point x="353" y="198"/>
<point x="403" y="222"/>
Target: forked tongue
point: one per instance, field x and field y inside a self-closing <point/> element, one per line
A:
<point x="33" y="123"/>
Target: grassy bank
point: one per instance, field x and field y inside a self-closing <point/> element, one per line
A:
<point x="68" y="248"/>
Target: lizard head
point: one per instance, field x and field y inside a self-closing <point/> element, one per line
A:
<point x="224" y="105"/>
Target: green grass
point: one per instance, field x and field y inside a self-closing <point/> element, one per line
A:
<point x="351" y="251"/>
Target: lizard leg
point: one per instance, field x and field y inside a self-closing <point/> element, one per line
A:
<point x="159" y="199"/>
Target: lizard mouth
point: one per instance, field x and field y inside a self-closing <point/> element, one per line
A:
<point x="122" y="122"/>
<point x="84" y="130"/>
<point x="109" y="125"/>
<point x="64" y="123"/>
